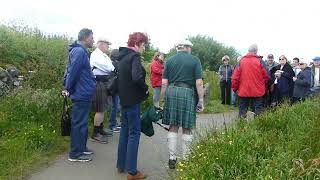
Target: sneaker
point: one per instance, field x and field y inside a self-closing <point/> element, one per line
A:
<point x="83" y="158"/>
<point x="106" y="133"/>
<point x="115" y="130"/>
<point x="100" y="138"/>
<point x="118" y="126"/>
<point x="88" y="152"/>
<point x="139" y="175"/>
<point x="172" y="163"/>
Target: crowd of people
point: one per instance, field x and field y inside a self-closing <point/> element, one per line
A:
<point x="267" y="83"/>
<point x="86" y="84"/>
<point x="178" y="81"/>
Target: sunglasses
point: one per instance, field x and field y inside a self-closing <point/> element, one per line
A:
<point x="282" y="59"/>
<point x="226" y="60"/>
<point x="301" y="63"/>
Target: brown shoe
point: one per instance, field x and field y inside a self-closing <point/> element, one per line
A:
<point x="139" y="175"/>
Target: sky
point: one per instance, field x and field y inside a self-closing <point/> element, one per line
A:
<point x="279" y="27"/>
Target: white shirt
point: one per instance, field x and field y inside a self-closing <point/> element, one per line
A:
<point x="296" y="70"/>
<point x="100" y="63"/>
<point x="316" y="77"/>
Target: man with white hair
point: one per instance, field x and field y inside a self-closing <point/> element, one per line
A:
<point x="101" y="66"/>
<point x="182" y="87"/>
<point x="249" y="80"/>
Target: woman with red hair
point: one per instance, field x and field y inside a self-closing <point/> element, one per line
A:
<point x="132" y="91"/>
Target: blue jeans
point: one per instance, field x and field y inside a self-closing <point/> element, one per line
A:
<point x="156" y="94"/>
<point x="79" y="128"/>
<point x="233" y="98"/>
<point x="244" y="103"/>
<point x="114" y="111"/>
<point x="129" y="139"/>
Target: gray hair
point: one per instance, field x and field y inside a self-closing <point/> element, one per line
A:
<point x="253" y="49"/>
<point x="84" y="33"/>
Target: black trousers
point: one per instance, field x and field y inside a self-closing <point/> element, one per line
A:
<point x="225" y="87"/>
<point x="244" y="103"/>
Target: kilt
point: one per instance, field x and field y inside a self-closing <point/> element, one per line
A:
<point x="180" y="107"/>
<point x="101" y="99"/>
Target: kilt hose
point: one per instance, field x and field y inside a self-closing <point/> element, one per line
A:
<point x="180" y="107"/>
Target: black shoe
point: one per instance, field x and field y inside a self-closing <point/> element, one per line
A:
<point x="100" y="138"/>
<point x="88" y="152"/>
<point x="83" y="158"/>
<point x="106" y="133"/>
<point x="172" y="163"/>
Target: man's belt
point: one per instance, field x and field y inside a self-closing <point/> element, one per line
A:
<point x="102" y="78"/>
<point x="182" y="84"/>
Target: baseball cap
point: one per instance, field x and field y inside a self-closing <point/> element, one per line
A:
<point x="317" y="58"/>
<point x="105" y="40"/>
<point x="184" y="43"/>
<point x="270" y="56"/>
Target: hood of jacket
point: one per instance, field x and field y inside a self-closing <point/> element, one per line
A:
<point x="76" y="44"/>
<point x="123" y="51"/>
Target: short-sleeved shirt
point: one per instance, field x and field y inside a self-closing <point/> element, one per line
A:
<point x="183" y="67"/>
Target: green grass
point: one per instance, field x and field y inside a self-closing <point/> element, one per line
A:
<point x="30" y="135"/>
<point x="280" y="144"/>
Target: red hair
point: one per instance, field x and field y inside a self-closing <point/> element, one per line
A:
<point x="137" y="38"/>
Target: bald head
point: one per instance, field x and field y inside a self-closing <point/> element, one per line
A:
<point x="253" y="49"/>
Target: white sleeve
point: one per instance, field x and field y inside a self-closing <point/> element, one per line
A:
<point x="101" y="62"/>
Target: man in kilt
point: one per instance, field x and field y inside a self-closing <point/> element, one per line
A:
<point x="182" y="87"/>
<point x="101" y="66"/>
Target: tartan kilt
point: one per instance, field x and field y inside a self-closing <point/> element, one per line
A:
<point x="180" y="107"/>
<point x="101" y="99"/>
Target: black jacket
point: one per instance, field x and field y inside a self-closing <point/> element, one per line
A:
<point x="285" y="82"/>
<point x="303" y="83"/>
<point x="131" y="78"/>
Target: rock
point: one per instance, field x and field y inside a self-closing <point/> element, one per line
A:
<point x="16" y="83"/>
<point x="3" y="73"/>
<point x="14" y="72"/>
<point x="5" y="79"/>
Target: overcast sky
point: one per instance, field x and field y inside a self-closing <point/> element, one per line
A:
<point x="280" y="27"/>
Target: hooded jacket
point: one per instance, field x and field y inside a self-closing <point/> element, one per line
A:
<point x="131" y="78"/>
<point x="303" y="83"/>
<point x="250" y="77"/>
<point x="79" y="79"/>
<point x="156" y="70"/>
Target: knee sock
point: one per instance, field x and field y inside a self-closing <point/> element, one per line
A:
<point x="172" y="145"/>
<point x="186" y="142"/>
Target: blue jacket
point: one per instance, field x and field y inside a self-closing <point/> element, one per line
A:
<point x="79" y="79"/>
<point x="303" y="83"/>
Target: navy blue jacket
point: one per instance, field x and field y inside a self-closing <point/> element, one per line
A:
<point x="79" y="79"/>
<point x="303" y="83"/>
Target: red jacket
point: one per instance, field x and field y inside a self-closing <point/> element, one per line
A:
<point x="156" y="70"/>
<point x="250" y="77"/>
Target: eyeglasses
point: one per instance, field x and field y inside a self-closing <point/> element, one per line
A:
<point x="281" y="59"/>
<point x="226" y="60"/>
<point x="301" y="63"/>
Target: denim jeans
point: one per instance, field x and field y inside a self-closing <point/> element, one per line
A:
<point x="234" y="98"/>
<point x="244" y="103"/>
<point x="156" y="94"/>
<point x="79" y="128"/>
<point x="114" y="111"/>
<point x="129" y="139"/>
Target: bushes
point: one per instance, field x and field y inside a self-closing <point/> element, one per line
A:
<point x="281" y="144"/>
<point x="29" y="123"/>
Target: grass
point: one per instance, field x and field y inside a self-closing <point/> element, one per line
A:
<point x="30" y="136"/>
<point x="280" y="144"/>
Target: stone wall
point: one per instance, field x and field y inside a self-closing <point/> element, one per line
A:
<point x="9" y="79"/>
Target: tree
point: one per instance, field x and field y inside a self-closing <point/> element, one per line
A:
<point x="210" y="52"/>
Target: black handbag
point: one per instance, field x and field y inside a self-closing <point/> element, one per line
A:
<point x="112" y="83"/>
<point x="65" y="119"/>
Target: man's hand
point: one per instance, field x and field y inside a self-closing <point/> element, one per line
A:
<point x="200" y="106"/>
<point x="294" y="78"/>
<point x="65" y="93"/>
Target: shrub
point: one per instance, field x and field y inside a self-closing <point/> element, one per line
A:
<point x="280" y="144"/>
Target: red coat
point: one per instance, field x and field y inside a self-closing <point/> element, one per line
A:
<point x="156" y="70"/>
<point x="250" y="77"/>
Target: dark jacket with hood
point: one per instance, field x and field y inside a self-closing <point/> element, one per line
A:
<point x="131" y="78"/>
<point x="79" y="80"/>
<point x="285" y="82"/>
<point x="302" y="86"/>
